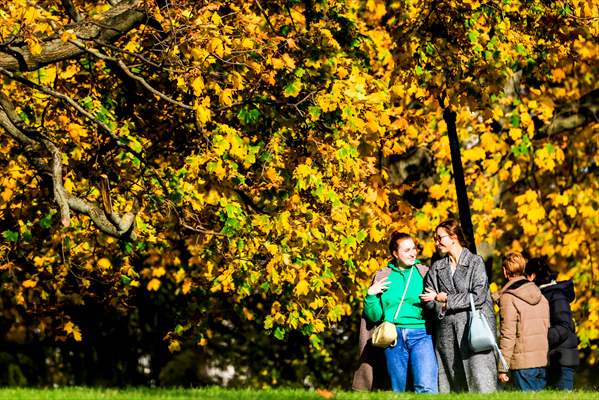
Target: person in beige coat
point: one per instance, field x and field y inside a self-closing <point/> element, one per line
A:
<point x="524" y="313"/>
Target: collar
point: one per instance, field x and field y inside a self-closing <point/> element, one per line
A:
<point x="463" y="260"/>
<point x="397" y="269"/>
<point x="511" y="282"/>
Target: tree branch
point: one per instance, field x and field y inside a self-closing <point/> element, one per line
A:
<point x="71" y="10"/>
<point x="130" y="74"/>
<point x="574" y="115"/>
<point x="109" y="26"/>
<point x="113" y="225"/>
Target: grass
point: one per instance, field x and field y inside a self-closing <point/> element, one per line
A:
<point x="78" y="393"/>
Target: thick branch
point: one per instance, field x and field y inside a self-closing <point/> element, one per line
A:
<point x="113" y="225"/>
<point x="107" y="27"/>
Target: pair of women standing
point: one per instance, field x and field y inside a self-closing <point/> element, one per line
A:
<point x="446" y="290"/>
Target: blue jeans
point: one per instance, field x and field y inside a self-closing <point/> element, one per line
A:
<point x="561" y="378"/>
<point x="530" y="379"/>
<point x="414" y="348"/>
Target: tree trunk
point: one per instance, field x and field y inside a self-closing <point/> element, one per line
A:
<point x="458" y="175"/>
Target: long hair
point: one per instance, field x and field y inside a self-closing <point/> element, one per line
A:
<point x="452" y="227"/>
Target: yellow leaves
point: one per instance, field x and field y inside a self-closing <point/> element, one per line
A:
<point x="68" y="35"/>
<point x="104" y="264"/>
<point x="174" y="346"/>
<point x="272" y="175"/>
<point x="530" y="211"/>
<point x="535" y="214"/>
<point x="490" y="166"/>
<point x="302" y="288"/>
<point x="198" y="85"/>
<point x="29" y="283"/>
<point x="69" y="72"/>
<point x="515" y="133"/>
<point x="437" y="191"/>
<point x="76" y="131"/>
<point x="186" y="287"/>
<point x="73" y="330"/>
<point x="547" y="157"/>
<point x="217" y="47"/>
<point x="158" y="272"/>
<point x="559" y="199"/>
<point x="154" y="285"/>
<point x="288" y="61"/>
<point x="226" y="97"/>
<point x="35" y="47"/>
<point x="202" y="110"/>
<point x="516" y="172"/>
<point x="474" y="154"/>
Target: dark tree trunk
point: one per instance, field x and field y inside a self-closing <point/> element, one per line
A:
<point x="458" y="175"/>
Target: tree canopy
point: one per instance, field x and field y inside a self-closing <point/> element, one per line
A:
<point x="240" y="164"/>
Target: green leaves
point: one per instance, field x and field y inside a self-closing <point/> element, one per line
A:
<point x="11" y="236"/>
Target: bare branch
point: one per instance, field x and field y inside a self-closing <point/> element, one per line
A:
<point x="75" y="105"/>
<point x="130" y="74"/>
<point x="71" y="10"/>
<point x="265" y="16"/>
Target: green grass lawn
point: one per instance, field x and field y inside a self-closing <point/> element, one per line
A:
<point x="218" y="393"/>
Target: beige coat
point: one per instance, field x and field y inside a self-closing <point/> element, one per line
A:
<point x="524" y="315"/>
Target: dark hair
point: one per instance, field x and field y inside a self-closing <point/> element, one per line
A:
<point x="452" y="228"/>
<point x="396" y="237"/>
<point x="539" y="267"/>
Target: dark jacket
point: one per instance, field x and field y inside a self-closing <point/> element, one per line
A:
<point x="372" y="369"/>
<point x="563" y="342"/>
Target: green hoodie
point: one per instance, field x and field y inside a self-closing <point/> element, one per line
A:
<point x="382" y="307"/>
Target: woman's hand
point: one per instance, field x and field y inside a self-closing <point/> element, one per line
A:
<point x="441" y="297"/>
<point x="428" y="295"/>
<point x="379" y="287"/>
<point x="503" y="378"/>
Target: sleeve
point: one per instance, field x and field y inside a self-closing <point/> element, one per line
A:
<point x="373" y="309"/>
<point x="478" y="287"/>
<point x="509" y="323"/>
<point x="561" y="321"/>
<point x="430" y="281"/>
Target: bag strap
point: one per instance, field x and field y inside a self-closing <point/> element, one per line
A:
<point x="472" y="303"/>
<point x="404" y="293"/>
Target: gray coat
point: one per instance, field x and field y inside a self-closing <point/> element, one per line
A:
<point x="459" y="368"/>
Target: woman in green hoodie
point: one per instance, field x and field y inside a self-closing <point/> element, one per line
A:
<point x="395" y="298"/>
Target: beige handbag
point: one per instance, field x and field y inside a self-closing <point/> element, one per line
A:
<point x="385" y="334"/>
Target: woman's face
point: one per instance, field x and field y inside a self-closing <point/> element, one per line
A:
<point x="406" y="253"/>
<point x="443" y="240"/>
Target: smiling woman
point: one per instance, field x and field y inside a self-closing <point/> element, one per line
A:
<point x="448" y="285"/>
<point x="394" y="297"/>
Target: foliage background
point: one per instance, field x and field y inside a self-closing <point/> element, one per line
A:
<point x="191" y="187"/>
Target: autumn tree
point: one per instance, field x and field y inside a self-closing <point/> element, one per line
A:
<point x="226" y="173"/>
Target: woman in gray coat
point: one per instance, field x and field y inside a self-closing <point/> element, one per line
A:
<point x="447" y="286"/>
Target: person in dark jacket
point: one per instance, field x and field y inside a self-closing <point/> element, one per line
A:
<point x="563" y="342"/>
